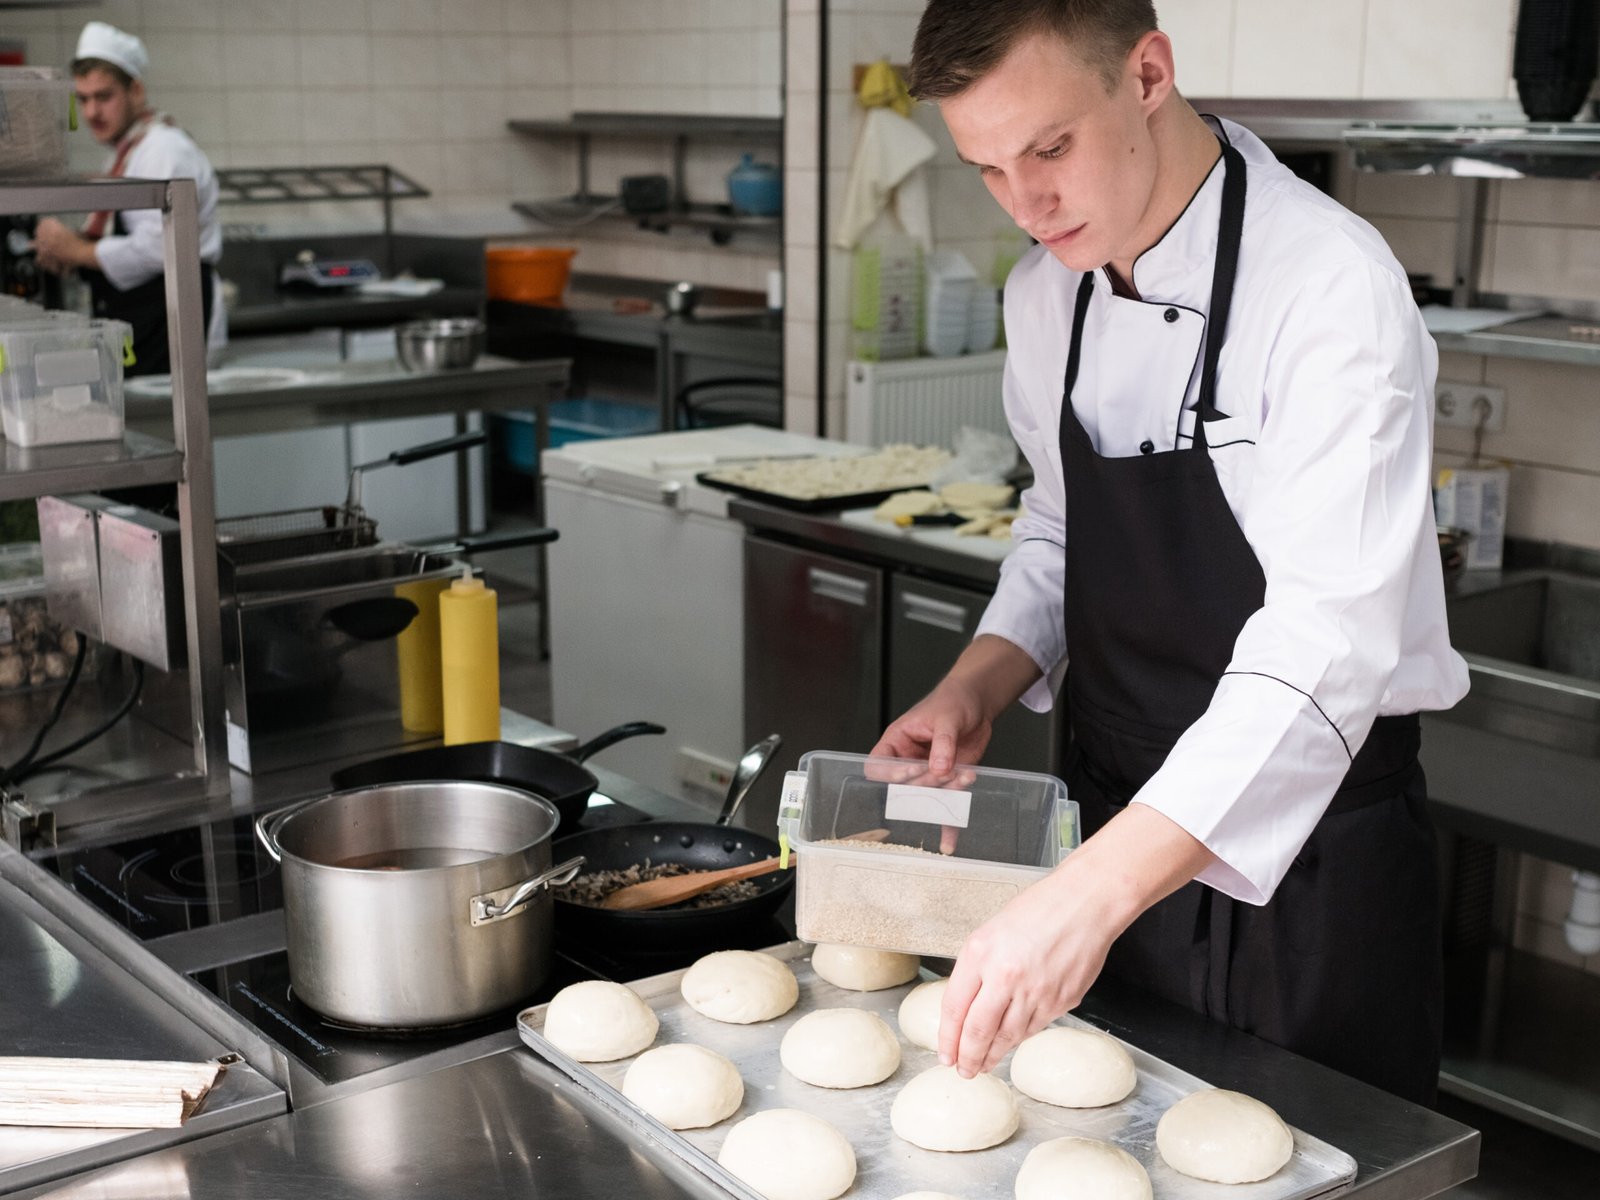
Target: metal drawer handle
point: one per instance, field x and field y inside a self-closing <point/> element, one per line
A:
<point x="834" y="586"/>
<point x="941" y="614"/>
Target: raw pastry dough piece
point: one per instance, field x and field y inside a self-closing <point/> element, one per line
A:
<point x="599" y="1021"/>
<point x="972" y="497"/>
<point x="1070" y="1168"/>
<point x="740" y="987"/>
<point x="863" y="970"/>
<point x="840" y="1048"/>
<point x="908" y="504"/>
<point x="919" y="1014"/>
<point x="1073" y="1068"/>
<point x="684" y="1086"/>
<point x="939" y="1110"/>
<point x="1226" y="1137"/>
<point x="786" y="1154"/>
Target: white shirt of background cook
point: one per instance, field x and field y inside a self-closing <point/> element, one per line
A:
<point x="165" y="152"/>
<point x="1324" y="457"/>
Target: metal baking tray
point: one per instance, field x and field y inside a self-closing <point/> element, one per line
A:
<point x="813" y="504"/>
<point x="886" y="1166"/>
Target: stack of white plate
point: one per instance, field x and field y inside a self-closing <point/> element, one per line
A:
<point x="983" y="326"/>
<point x="947" y="323"/>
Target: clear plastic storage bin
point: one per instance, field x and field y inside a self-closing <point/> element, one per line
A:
<point x="868" y="834"/>
<point x="34" y="108"/>
<point x="36" y="650"/>
<point x="61" y="381"/>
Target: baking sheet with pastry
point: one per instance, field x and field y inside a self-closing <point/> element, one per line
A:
<point x="886" y="1166"/>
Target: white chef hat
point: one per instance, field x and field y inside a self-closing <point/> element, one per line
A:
<point x="112" y="45"/>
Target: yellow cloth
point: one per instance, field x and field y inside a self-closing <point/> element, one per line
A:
<point x="882" y="87"/>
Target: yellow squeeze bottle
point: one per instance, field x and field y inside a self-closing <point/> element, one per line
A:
<point x="421" y="685"/>
<point x="469" y="655"/>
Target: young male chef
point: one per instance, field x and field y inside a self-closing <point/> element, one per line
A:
<point x="120" y="254"/>
<point x="1225" y="392"/>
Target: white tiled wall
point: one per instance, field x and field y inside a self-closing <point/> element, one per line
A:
<point x="428" y="85"/>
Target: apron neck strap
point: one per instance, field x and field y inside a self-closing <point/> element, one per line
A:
<point x="1230" y="229"/>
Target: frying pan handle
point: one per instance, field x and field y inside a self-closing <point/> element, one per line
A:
<point x="496" y="906"/>
<point x="461" y="441"/>
<point x="504" y="541"/>
<point x="611" y="737"/>
<point x="268" y="825"/>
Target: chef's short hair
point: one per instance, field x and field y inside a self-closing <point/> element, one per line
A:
<point x="82" y="66"/>
<point x="958" y="42"/>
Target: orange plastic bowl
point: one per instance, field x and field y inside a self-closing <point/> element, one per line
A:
<point x="528" y="274"/>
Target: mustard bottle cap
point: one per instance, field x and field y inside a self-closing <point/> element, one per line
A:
<point x="468" y="582"/>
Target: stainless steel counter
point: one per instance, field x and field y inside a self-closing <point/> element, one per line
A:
<point x="338" y="393"/>
<point x="63" y="997"/>
<point x="871" y="542"/>
<point x="508" y="1125"/>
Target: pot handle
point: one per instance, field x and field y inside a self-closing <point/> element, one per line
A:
<point x="496" y="906"/>
<point x="268" y="824"/>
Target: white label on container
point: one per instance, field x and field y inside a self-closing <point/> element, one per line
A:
<point x="60" y="367"/>
<point x="933" y="806"/>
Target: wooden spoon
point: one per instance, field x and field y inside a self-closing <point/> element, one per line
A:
<point x="658" y="893"/>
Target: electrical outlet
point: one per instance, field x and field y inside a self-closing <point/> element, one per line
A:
<point x="1461" y="405"/>
<point x="704" y="771"/>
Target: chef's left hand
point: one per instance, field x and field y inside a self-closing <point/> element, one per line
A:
<point x="60" y="248"/>
<point x="1035" y="959"/>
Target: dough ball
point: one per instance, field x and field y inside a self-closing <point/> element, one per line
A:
<point x="1071" y="1168"/>
<point x="684" y="1086"/>
<point x="939" y="1110"/>
<point x="863" y="970"/>
<point x="919" y="1014"/>
<point x="598" y="1021"/>
<point x="740" y="987"/>
<point x="840" y="1048"/>
<point x="786" y="1154"/>
<point x="1073" y="1068"/>
<point x="1226" y="1137"/>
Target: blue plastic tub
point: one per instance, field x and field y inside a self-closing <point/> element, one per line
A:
<point x="579" y="420"/>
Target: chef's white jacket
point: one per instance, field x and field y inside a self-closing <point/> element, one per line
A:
<point x="127" y="260"/>
<point x="1326" y="379"/>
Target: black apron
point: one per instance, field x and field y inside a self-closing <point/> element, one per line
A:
<point x="1343" y="965"/>
<point x="145" y="308"/>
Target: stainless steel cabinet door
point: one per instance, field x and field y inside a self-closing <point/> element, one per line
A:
<point x="929" y="625"/>
<point x="813" y="654"/>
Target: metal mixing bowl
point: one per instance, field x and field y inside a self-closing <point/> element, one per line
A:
<point x="445" y="344"/>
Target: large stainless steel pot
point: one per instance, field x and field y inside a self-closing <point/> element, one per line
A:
<point x="416" y="904"/>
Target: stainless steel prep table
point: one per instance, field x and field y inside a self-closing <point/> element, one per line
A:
<point x="509" y="1125"/>
<point x="339" y="393"/>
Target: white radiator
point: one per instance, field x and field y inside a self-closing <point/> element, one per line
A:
<point x="923" y="400"/>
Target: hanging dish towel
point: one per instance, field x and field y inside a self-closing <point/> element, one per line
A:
<point x="885" y="169"/>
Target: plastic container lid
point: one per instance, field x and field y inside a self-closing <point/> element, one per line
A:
<point x="871" y="834"/>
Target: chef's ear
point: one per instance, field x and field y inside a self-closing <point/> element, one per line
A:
<point x="1150" y="66"/>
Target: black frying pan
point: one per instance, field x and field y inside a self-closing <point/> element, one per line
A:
<point x="559" y="778"/>
<point x="700" y="846"/>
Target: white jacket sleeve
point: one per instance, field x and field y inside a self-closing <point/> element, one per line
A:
<point x="1338" y="512"/>
<point x="135" y="257"/>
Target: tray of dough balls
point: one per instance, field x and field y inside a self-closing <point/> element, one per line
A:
<point x="789" y="1074"/>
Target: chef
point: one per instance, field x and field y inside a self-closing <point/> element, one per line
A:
<point x="1227" y="569"/>
<point x="120" y="254"/>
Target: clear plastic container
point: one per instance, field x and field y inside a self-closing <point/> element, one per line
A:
<point x="61" y="381"/>
<point x="868" y="833"/>
<point x="35" y="649"/>
<point x="34" y="109"/>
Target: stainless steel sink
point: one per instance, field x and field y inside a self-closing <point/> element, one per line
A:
<point x="1532" y="644"/>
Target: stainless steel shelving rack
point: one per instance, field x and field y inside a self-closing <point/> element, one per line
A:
<point x="136" y="460"/>
<point x="682" y="128"/>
